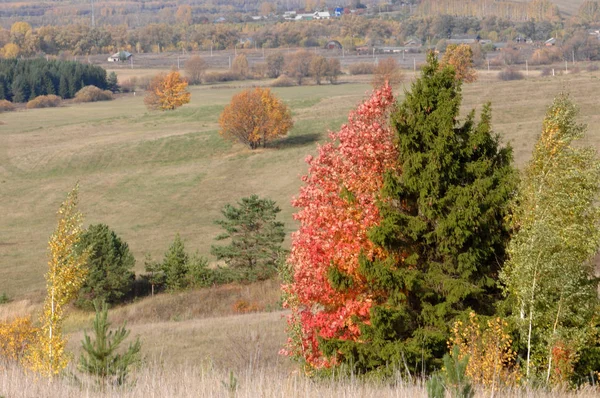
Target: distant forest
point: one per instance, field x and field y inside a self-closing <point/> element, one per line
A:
<point x="23" y="80"/>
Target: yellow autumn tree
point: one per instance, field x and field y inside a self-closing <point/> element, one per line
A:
<point x="254" y="117"/>
<point x="10" y="50"/>
<point x="65" y="276"/>
<point x="460" y="57"/>
<point x="167" y="92"/>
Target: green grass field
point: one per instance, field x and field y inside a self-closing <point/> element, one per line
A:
<point x="151" y="175"/>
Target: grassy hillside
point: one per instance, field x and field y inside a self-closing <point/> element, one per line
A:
<point x="147" y="175"/>
<point x="151" y="175"/>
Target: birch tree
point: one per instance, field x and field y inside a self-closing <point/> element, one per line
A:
<point x="549" y="272"/>
<point x="65" y="276"/>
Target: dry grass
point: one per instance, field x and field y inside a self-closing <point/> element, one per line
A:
<point x="150" y="176"/>
<point x="183" y="306"/>
<point x="195" y="380"/>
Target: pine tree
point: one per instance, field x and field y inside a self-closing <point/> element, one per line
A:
<point x="155" y="272"/>
<point x="63" y="87"/>
<point x="442" y="229"/>
<point x="255" y="234"/>
<point x="550" y="273"/>
<point x="110" y="264"/>
<point x="99" y="357"/>
<point x="175" y="265"/>
<point x="113" y="82"/>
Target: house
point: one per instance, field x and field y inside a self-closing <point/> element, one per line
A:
<point x="333" y="45"/>
<point x="120" y="56"/>
<point x="338" y="11"/>
<point x="289" y="15"/>
<point x="389" y="50"/>
<point x="304" y="17"/>
<point x="463" y="39"/>
<point x="412" y="43"/>
<point x="550" y="42"/>
<point x="322" y="15"/>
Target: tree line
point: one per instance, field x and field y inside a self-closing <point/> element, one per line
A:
<point x="420" y="246"/>
<point x="350" y="30"/>
<point x="23" y="80"/>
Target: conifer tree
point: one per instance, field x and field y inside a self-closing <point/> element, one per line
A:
<point x="550" y="273"/>
<point x="175" y="265"/>
<point x="442" y="229"/>
<point x="99" y="357"/>
<point x="255" y="237"/>
<point x="65" y="276"/>
<point x="110" y="264"/>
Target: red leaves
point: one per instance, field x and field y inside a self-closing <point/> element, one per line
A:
<point x="337" y="208"/>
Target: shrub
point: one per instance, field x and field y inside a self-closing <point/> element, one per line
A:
<point x="15" y="337"/>
<point x="93" y="94"/>
<point x="216" y="77"/>
<point x="510" y="74"/>
<point x="242" y="306"/>
<point x="4" y="298"/>
<point x="362" y="68"/>
<point x="546" y="72"/>
<point x="492" y="362"/>
<point x="387" y="70"/>
<point x="592" y="67"/>
<point x="44" y="101"/>
<point x="6" y="106"/>
<point x="282" y="81"/>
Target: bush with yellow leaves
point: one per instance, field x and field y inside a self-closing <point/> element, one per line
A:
<point x="15" y="337"/>
<point x="491" y="359"/>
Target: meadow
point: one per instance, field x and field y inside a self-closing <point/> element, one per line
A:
<point x="150" y="175"/>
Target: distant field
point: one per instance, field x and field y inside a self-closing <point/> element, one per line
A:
<point x="147" y="175"/>
<point x="151" y="175"/>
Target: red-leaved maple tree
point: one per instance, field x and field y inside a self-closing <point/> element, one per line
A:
<point x="337" y="208"/>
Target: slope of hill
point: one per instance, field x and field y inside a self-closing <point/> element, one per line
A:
<point x="151" y="175"/>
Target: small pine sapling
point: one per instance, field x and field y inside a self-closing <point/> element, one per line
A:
<point x="99" y="357"/>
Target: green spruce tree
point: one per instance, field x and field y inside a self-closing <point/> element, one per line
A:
<point x="255" y="237"/>
<point x="442" y="227"/>
<point x="110" y="266"/>
<point x="100" y="358"/>
<point x="175" y="265"/>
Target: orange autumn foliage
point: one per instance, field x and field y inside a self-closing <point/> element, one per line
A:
<point x="167" y="92"/>
<point x="460" y="57"/>
<point x="254" y="117"/>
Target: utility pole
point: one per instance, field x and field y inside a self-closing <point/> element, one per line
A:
<point x="93" y="17"/>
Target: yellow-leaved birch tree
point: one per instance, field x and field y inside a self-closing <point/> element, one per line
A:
<point x="65" y="276"/>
